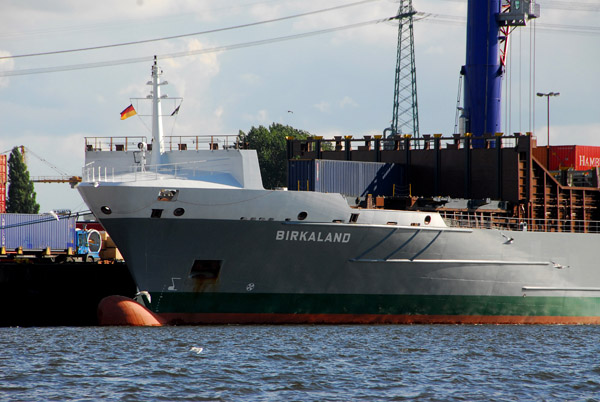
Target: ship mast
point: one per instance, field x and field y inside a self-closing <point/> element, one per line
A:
<point x="158" y="143"/>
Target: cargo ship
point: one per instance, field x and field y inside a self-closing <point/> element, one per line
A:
<point x="207" y="244"/>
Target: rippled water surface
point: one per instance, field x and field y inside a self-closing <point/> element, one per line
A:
<point x="304" y="363"/>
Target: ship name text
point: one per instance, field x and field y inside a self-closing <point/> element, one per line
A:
<point x="589" y="161"/>
<point x="324" y="237"/>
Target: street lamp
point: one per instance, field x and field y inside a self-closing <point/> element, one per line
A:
<point x="548" y="95"/>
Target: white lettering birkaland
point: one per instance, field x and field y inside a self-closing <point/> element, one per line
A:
<point x="324" y="237"/>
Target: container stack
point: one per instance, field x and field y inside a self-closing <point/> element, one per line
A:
<point x="350" y="178"/>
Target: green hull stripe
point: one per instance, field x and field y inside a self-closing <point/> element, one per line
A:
<point x="255" y="303"/>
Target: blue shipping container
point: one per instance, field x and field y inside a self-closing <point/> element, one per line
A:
<point x="350" y="178"/>
<point x="37" y="231"/>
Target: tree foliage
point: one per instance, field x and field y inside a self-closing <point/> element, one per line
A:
<point x="21" y="197"/>
<point x="270" y="145"/>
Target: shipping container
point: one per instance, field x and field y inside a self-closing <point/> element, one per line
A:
<point x="576" y="157"/>
<point x="37" y="231"/>
<point x="350" y="178"/>
<point x="3" y="180"/>
<point x="2" y="198"/>
<point x="3" y="170"/>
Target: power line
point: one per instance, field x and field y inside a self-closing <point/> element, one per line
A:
<point x="559" y="5"/>
<point x="459" y="20"/>
<point x="84" y="49"/>
<point x="191" y="52"/>
<point x="170" y="19"/>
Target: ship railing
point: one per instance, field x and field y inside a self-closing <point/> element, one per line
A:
<point x="398" y="142"/>
<point x="171" y="143"/>
<point x="127" y="143"/>
<point x="189" y="170"/>
<point x="474" y="221"/>
<point x="199" y="142"/>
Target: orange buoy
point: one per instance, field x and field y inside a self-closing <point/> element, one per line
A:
<point x="120" y="310"/>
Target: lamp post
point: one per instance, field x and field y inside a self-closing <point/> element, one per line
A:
<point x="548" y="95"/>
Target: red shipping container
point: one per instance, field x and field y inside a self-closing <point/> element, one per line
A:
<point x="3" y="169"/>
<point x="587" y="157"/>
<point x="578" y="157"/>
<point x="2" y="198"/>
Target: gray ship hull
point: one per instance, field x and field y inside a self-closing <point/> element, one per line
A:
<point x="291" y="272"/>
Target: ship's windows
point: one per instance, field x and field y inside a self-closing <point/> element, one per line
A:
<point x="392" y="223"/>
<point x="167" y="195"/>
<point x="354" y="218"/>
<point x="106" y="210"/>
<point x="428" y="219"/>
<point x="302" y="215"/>
<point x="156" y="213"/>
<point x="179" y="211"/>
<point x="337" y="221"/>
<point x="206" y="269"/>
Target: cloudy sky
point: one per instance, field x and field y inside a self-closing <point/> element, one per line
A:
<point x="338" y="83"/>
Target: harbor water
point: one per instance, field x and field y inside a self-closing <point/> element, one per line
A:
<point x="301" y="363"/>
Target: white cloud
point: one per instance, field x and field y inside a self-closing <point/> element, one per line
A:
<point x="371" y="34"/>
<point x="251" y="79"/>
<point x="323" y="106"/>
<point x="219" y="112"/>
<point x="347" y="102"/>
<point x="576" y="134"/>
<point x="266" y="11"/>
<point x="5" y="65"/>
<point x="260" y="117"/>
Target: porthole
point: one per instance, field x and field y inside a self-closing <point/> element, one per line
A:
<point x="106" y="210"/>
<point x="428" y="219"/>
<point x="179" y="211"/>
<point x="302" y="216"/>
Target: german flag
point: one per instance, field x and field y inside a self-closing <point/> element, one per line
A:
<point x="128" y="112"/>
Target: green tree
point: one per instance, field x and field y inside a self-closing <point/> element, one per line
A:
<point x="270" y="145"/>
<point x="21" y="197"/>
